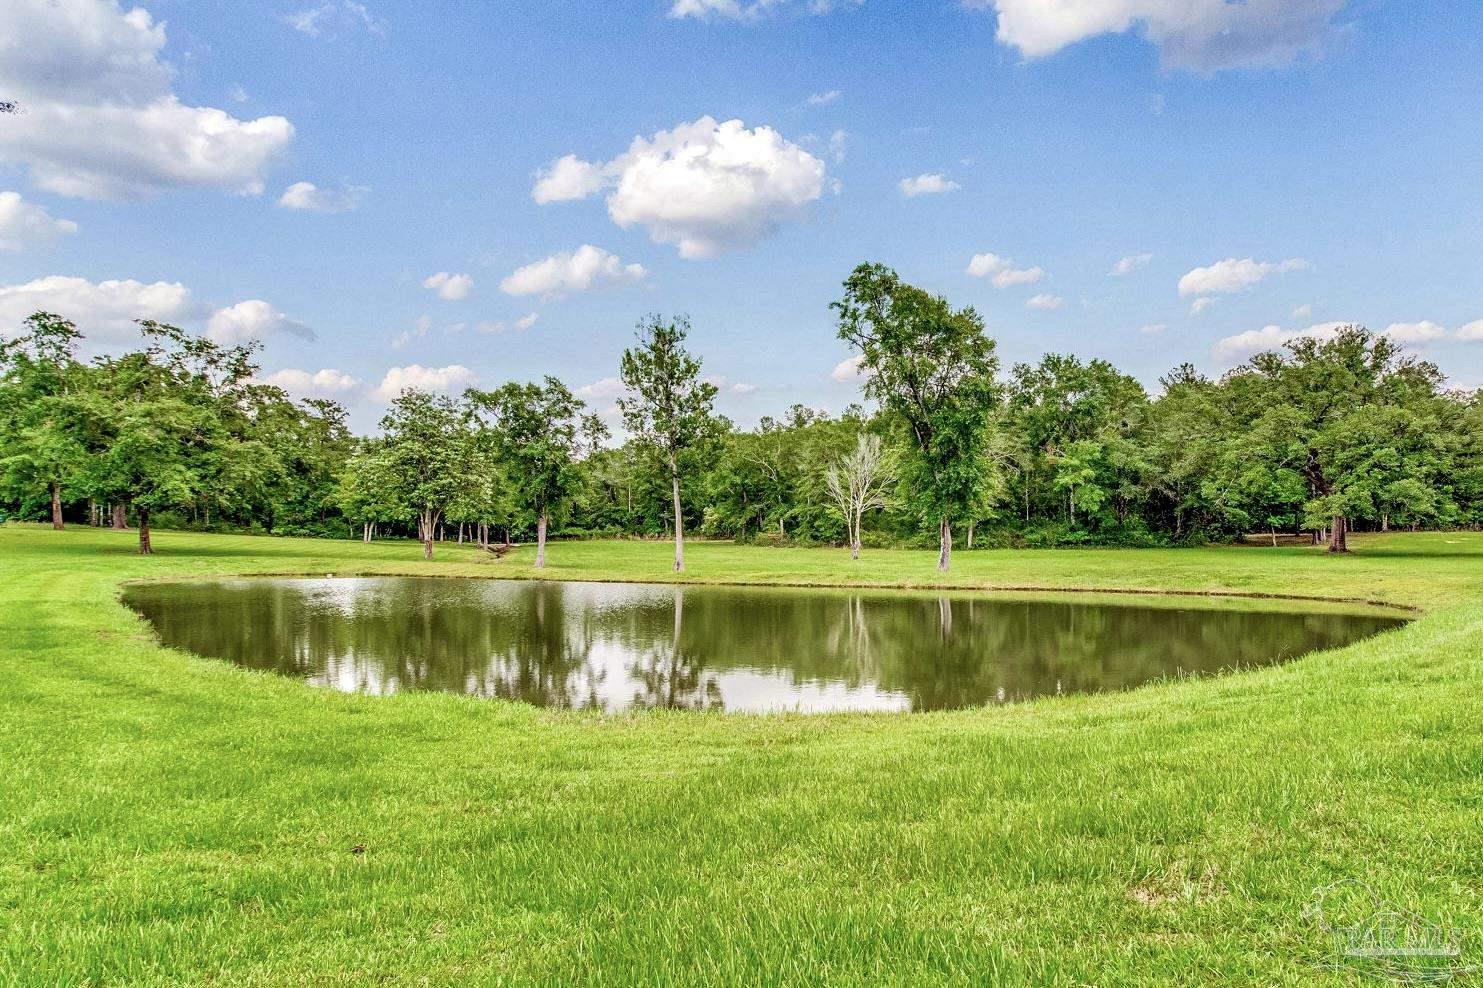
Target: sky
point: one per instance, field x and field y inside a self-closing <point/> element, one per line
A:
<point x="395" y="194"/>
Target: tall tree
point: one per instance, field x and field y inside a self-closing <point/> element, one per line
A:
<point x="933" y="367"/>
<point x="1344" y="412"/>
<point x="539" y="433"/>
<point x="859" y="482"/>
<point x="42" y="446"/>
<point x="160" y="418"/>
<point x="668" y="408"/>
<point x="426" y="444"/>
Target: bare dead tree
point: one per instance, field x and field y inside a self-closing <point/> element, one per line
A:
<point x="859" y="482"/>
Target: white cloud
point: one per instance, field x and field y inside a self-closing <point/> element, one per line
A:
<point x="705" y="187"/>
<point x="519" y="325"/>
<point x="1129" y="264"/>
<point x="745" y="10"/>
<point x="608" y="387"/>
<point x="253" y="319"/>
<point x="1304" y="311"/>
<point x="1472" y="332"/>
<point x="334" y="16"/>
<point x="1201" y="304"/>
<point x="839" y="145"/>
<point x="1235" y="348"/>
<point x="823" y="99"/>
<point x="849" y="369"/>
<point x="722" y="383"/>
<point x="101" y="121"/>
<point x="308" y="196"/>
<point x="326" y="383"/>
<point x="418" y="331"/>
<point x="1232" y="275"/>
<point x="928" y="184"/>
<point x="1002" y="271"/>
<point x="582" y="270"/>
<point x="1415" y="332"/>
<point x="104" y="311"/>
<point x="567" y="179"/>
<point x="1200" y="35"/>
<point x="1045" y="301"/>
<point x="439" y="380"/>
<point x="25" y="224"/>
<point x="450" y="287"/>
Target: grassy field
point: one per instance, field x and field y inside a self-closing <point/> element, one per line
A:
<point x="167" y="820"/>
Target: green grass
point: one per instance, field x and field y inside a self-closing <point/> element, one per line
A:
<point x="166" y="819"/>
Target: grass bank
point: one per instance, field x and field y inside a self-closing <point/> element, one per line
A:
<point x="168" y="820"/>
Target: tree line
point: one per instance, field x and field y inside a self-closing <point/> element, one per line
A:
<point x="1323" y="437"/>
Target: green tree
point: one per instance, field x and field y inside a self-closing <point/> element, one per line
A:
<point x="932" y="367"/>
<point x="668" y="408"/>
<point x="426" y="446"/>
<point x="539" y="433"/>
<point x="42" y="444"/>
<point x="158" y="419"/>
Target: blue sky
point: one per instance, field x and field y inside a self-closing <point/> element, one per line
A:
<point x="1261" y="169"/>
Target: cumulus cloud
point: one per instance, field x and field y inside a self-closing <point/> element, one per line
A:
<point x="251" y="320"/>
<point x="449" y="287"/>
<point x="1231" y="275"/>
<point x="568" y="178"/>
<point x="582" y="270"/>
<point x="1424" y="331"/>
<point x="105" y="311"/>
<point x="705" y="187"/>
<point x="928" y="184"/>
<point x="1045" y="301"/>
<point x="1129" y="264"/>
<point x="1002" y="271"/>
<point x="439" y="380"/>
<point x="25" y="224"/>
<point x="1472" y="332"/>
<point x="101" y="121"/>
<point x="848" y="370"/>
<point x="1232" y="349"/>
<point x="1201" y="304"/>
<point x="326" y="383"/>
<point x="722" y="383"/>
<point x="310" y="197"/>
<point x="1198" y="35"/>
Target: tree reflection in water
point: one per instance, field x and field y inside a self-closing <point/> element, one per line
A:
<point x="614" y="646"/>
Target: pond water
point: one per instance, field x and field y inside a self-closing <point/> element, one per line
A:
<point x="616" y="646"/>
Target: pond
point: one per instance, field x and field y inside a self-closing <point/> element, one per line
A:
<point x="613" y="646"/>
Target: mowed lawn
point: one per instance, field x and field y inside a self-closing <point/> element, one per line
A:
<point x="166" y="819"/>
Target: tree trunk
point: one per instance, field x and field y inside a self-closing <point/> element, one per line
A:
<point x="1385" y="522"/>
<point x="945" y="553"/>
<point x="969" y="544"/>
<point x="855" y="537"/>
<point x="145" y="548"/>
<point x="541" y="542"/>
<point x="1273" y="530"/>
<point x="674" y="477"/>
<point x="428" y="524"/>
<point x="460" y="533"/>
<point x="120" y="520"/>
<point x="56" y="506"/>
<point x="1339" y="541"/>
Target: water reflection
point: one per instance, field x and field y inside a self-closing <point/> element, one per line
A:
<point x="616" y="646"/>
